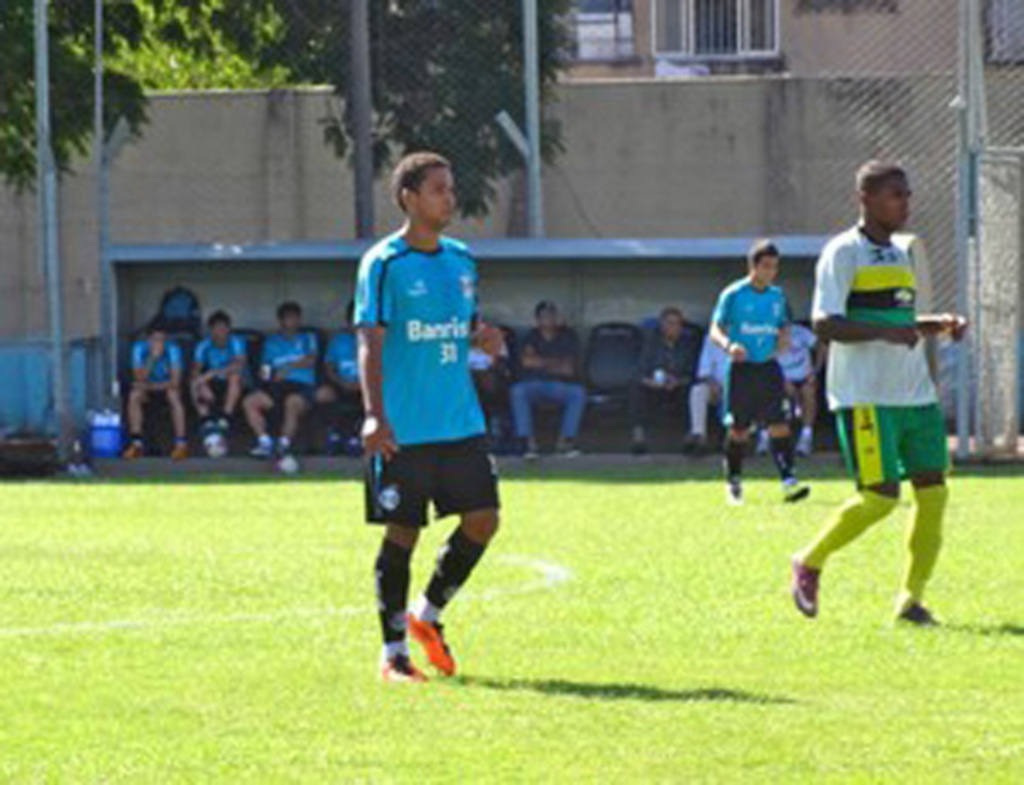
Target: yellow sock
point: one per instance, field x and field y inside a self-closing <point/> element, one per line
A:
<point x="924" y="540"/>
<point x="853" y="519"/>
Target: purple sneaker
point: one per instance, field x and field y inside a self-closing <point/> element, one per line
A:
<point x="805" y="588"/>
<point x="918" y="615"/>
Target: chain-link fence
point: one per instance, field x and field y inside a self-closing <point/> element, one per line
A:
<point x="996" y="269"/>
<point x="850" y="80"/>
<point x="265" y="151"/>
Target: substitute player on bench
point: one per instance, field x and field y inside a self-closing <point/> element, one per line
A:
<point x="881" y="388"/>
<point x="424" y="432"/>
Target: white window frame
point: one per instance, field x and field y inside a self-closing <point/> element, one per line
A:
<point x="688" y="35"/>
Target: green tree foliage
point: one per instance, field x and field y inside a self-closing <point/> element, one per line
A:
<point x="71" y="78"/>
<point x="442" y="70"/>
<point x="183" y="47"/>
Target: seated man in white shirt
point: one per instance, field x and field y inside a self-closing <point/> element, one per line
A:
<point x="706" y="391"/>
<point x="801" y="363"/>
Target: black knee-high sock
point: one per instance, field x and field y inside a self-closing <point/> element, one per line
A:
<point x="734" y="458"/>
<point x="455" y="561"/>
<point x="782" y="454"/>
<point x="392" y="570"/>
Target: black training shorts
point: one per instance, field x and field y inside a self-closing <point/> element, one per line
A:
<point x="458" y="477"/>
<point x="756" y="394"/>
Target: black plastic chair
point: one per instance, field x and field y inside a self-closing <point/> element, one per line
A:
<point x="611" y="362"/>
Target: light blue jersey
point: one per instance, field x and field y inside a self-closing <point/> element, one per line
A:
<point x="752" y="318"/>
<point x="161" y="367"/>
<point x="211" y="357"/>
<point x="342" y="356"/>
<point x="427" y="301"/>
<point x="280" y="350"/>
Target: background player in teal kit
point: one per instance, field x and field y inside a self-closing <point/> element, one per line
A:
<point x="157" y="368"/>
<point x="751" y="323"/>
<point x="424" y="428"/>
<point x="219" y="370"/>
<point x="288" y="374"/>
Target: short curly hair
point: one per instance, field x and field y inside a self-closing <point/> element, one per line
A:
<point x="412" y="170"/>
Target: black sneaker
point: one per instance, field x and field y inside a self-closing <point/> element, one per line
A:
<point x="734" y="492"/>
<point x="918" y="615"/>
<point x="639" y="448"/>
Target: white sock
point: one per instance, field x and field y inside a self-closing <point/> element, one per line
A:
<point x="392" y="650"/>
<point x="426" y="611"/>
<point x="266" y="441"/>
<point x="699" y="395"/>
<point x="284" y="442"/>
<point x="806" y="432"/>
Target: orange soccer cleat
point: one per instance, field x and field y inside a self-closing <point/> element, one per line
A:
<point x="400" y="670"/>
<point x="133" y="451"/>
<point x="430" y="636"/>
<point x="180" y="451"/>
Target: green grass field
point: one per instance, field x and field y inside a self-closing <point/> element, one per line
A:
<point x="624" y="627"/>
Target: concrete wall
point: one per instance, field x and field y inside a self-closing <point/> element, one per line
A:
<point x="699" y="158"/>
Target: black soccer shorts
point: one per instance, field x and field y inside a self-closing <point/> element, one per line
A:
<point x="756" y="393"/>
<point x="458" y="477"/>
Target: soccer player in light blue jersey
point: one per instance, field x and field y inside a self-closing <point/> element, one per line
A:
<point x="424" y="433"/>
<point x="751" y="323"/>
<point x="219" y="370"/>
<point x="157" y="368"/>
<point x="340" y="394"/>
<point x="288" y="375"/>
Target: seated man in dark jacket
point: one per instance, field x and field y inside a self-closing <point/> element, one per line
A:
<point x="550" y="361"/>
<point x="665" y="375"/>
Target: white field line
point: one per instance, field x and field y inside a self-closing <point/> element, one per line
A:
<point x="548" y="576"/>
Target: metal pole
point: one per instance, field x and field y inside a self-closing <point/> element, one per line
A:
<point x="108" y="360"/>
<point x="963" y="233"/>
<point x="46" y="180"/>
<point x="361" y="96"/>
<point x="531" y="69"/>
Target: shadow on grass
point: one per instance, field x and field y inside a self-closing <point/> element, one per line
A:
<point x="1007" y="629"/>
<point x="618" y="692"/>
<point x="591" y="469"/>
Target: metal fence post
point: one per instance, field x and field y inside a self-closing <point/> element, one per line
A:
<point x="46" y="183"/>
<point x="531" y="70"/>
<point x="361" y="96"/>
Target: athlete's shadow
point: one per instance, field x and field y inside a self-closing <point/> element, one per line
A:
<point x="993" y="630"/>
<point x="618" y="691"/>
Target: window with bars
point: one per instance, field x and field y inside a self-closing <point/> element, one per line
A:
<point x="1004" y="22"/>
<point x="716" y="29"/>
<point x="602" y="29"/>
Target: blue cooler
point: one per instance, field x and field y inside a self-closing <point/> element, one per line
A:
<point x="106" y="439"/>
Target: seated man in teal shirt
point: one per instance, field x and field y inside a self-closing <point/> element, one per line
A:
<point x="288" y="376"/>
<point x="341" y="394"/>
<point x="157" y="367"/>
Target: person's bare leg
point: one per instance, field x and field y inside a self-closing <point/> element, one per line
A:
<point x="256" y="407"/>
<point x="809" y="403"/>
<point x="136" y="416"/>
<point x="202" y="396"/>
<point x="177" y="408"/>
<point x="233" y="395"/>
<point x="294" y="408"/>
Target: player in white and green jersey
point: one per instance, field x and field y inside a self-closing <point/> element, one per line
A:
<point x="881" y="387"/>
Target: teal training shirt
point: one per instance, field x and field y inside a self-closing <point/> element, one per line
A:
<point x="752" y="318"/>
<point x="427" y="302"/>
